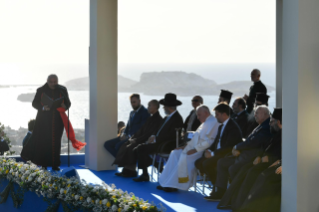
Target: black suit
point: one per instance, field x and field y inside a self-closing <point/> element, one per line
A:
<point x="242" y="121"/>
<point x="230" y="137"/>
<point x="165" y="140"/>
<point x="125" y="155"/>
<point x="196" y="123"/>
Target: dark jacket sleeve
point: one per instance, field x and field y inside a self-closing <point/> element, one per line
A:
<point x="255" y="142"/>
<point x="36" y="103"/>
<point x="67" y="101"/>
<point x="230" y="138"/>
<point x="186" y="121"/>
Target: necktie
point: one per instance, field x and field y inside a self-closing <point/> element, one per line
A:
<point x="163" y="125"/>
<point x="219" y="134"/>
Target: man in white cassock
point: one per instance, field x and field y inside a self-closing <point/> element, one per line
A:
<point x="180" y="172"/>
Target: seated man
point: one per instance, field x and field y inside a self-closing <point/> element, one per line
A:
<point x="192" y="122"/>
<point x="261" y="99"/>
<point x="30" y="128"/>
<point x="120" y="128"/>
<point x="180" y="172"/>
<point x="137" y="118"/>
<point x="243" y="153"/>
<point x="126" y="157"/>
<point x="246" y="177"/>
<point x="265" y="195"/>
<point x="240" y="115"/>
<point x="165" y="138"/>
<point x="3" y="143"/>
<point x="228" y="135"/>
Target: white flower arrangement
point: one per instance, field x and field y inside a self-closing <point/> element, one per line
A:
<point x="77" y="193"/>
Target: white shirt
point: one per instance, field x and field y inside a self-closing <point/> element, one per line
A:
<point x="221" y="134"/>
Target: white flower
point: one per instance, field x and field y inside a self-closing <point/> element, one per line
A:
<point x="89" y="200"/>
<point x="77" y="197"/>
<point x="30" y="179"/>
<point x="23" y="178"/>
<point x="61" y="191"/>
<point x="97" y="201"/>
<point x="126" y="207"/>
<point x="104" y="201"/>
<point x="114" y="208"/>
<point x="27" y="172"/>
<point x="39" y="179"/>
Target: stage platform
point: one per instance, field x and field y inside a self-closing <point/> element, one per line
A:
<point x="180" y="201"/>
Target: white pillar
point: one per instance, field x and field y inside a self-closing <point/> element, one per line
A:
<point x="103" y="81"/>
<point x="300" y="74"/>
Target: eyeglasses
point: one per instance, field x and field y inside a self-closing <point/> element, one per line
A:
<point x="195" y="100"/>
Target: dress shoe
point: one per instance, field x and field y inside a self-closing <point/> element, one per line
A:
<point x="56" y="168"/>
<point x="217" y="195"/>
<point x="142" y="178"/>
<point x="119" y="174"/>
<point x="129" y="174"/>
<point x="168" y="189"/>
<point x="159" y="187"/>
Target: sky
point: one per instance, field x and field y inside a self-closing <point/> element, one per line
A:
<point x="39" y="35"/>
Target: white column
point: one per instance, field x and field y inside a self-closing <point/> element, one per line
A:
<point x="103" y="81"/>
<point x="300" y="75"/>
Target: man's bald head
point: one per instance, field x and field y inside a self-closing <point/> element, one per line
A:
<point x="255" y="75"/>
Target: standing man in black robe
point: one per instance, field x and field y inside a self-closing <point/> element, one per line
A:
<point x="257" y="87"/>
<point x="44" y="146"/>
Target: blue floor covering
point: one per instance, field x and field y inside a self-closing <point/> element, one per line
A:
<point x="181" y="201"/>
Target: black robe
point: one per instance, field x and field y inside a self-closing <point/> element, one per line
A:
<point x="239" y="189"/>
<point x="44" y="146"/>
<point x="257" y="87"/>
<point x="125" y="155"/>
<point x="265" y="195"/>
<point x="242" y="121"/>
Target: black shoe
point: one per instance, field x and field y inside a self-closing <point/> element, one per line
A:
<point x="130" y="174"/>
<point x="142" y="178"/>
<point x="159" y="187"/>
<point x="168" y="189"/>
<point x="216" y="195"/>
<point x="56" y="168"/>
<point x="119" y="174"/>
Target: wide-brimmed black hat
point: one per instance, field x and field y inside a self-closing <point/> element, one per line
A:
<point x="277" y="114"/>
<point x="262" y="97"/>
<point x="226" y="94"/>
<point x="170" y="100"/>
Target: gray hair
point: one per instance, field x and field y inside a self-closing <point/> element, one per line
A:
<point x="203" y="107"/>
<point x="257" y="71"/>
<point x="53" y="76"/>
<point x="264" y="108"/>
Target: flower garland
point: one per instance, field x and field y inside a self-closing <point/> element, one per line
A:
<point x="72" y="193"/>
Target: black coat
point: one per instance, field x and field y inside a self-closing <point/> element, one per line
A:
<point x="166" y="140"/>
<point x="125" y="155"/>
<point x="44" y="146"/>
<point x="255" y="143"/>
<point x="239" y="189"/>
<point x="3" y="146"/>
<point x="257" y="87"/>
<point x="195" y="124"/>
<point x="230" y="137"/>
<point x="26" y="138"/>
<point x="242" y="121"/>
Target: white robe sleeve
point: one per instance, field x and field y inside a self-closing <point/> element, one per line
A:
<point x="207" y="135"/>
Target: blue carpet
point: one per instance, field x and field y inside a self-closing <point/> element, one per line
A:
<point x="181" y="201"/>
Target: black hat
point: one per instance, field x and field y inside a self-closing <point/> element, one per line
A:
<point x="263" y="98"/>
<point x="226" y="94"/>
<point x="170" y="100"/>
<point x="277" y="114"/>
